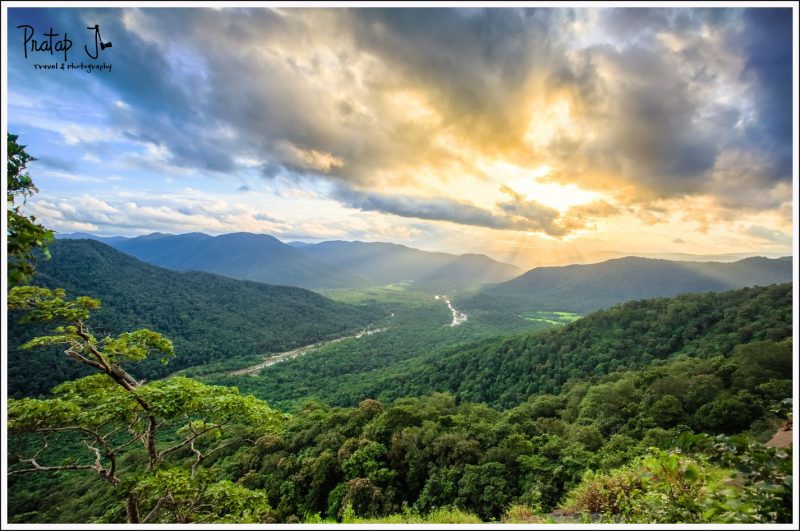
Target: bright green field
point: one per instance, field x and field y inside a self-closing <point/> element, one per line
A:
<point x="553" y="318"/>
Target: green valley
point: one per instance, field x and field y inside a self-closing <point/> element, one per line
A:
<point x="209" y="317"/>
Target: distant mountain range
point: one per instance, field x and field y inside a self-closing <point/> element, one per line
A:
<point x="333" y="264"/>
<point x="585" y="288"/>
<point x="341" y="264"/>
<point x="385" y="263"/>
<point x="241" y="255"/>
<point x="208" y="317"/>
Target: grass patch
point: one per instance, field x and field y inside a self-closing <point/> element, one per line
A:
<point x="438" y="516"/>
<point x="551" y="317"/>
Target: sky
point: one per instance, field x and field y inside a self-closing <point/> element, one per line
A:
<point x="535" y="136"/>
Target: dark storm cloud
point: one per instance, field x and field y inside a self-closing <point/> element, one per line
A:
<point x="517" y="213"/>
<point x="768" y="53"/>
<point x="662" y="130"/>
<point x="657" y="131"/>
<point x="647" y="116"/>
<point x="435" y="208"/>
<point x="166" y="107"/>
<point x="475" y="62"/>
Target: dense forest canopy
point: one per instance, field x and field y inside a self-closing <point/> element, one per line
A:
<point x="436" y="453"/>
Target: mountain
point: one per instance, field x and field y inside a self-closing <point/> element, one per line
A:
<point x="110" y="240"/>
<point x="386" y="263"/>
<point x="208" y="317"/>
<point x="242" y="255"/>
<point x="584" y="288"/>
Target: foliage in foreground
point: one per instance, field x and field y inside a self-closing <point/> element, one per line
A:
<point x="110" y="417"/>
<point x="727" y="479"/>
<point x="24" y="234"/>
<point x="426" y="456"/>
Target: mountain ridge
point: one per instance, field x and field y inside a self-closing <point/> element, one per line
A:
<point x="239" y="255"/>
<point x="324" y="265"/>
<point x="583" y="288"/>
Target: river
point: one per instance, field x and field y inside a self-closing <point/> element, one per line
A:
<point x="253" y="370"/>
<point x="458" y="317"/>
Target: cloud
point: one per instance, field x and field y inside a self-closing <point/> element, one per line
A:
<point x="438" y="208"/>
<point x="768" y="58"/>
<point x="132" y="213"/>
<point x="56" y="163"/>
<point x="516" y="213"/>
<point x="770" y="235"/>
<point x="307" y="159"/>
<point x="531" y="215"/>
<point x="399" y="107"/>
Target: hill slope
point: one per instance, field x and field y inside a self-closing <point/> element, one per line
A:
<point x="505" y="371"/>
<point x="585" y="288"/>
<point x="242" y="255"/>
<point x="208" y="317"/>
<point x="386" y="263"/>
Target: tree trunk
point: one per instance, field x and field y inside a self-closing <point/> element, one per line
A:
<point x="132" y="508"/>
<point x="151" y="443"/>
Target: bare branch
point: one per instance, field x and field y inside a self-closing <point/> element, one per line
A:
<point x="37" y="467"/>
<point x="137" y="437"/>
<point x="97" y="460"/>
<point x="106" y="473"/>
<point x="195" y="435"/>
<point x="221" y="446"/>
<point x="200" y="458"/>
<point x="153" y="511"/>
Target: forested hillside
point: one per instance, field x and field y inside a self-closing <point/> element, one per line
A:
<point x="504" y="372"/>
<point x="209" y="317"/>
<point x="585" y="288"/>
<point x="242" y="255"/>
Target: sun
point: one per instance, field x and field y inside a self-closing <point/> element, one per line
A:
<point x="527" y="182"/>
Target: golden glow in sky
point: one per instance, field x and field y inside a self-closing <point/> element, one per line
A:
<point x="534" y="135"/>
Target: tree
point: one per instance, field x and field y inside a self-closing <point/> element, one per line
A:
<point x="24" y="234"/>
<point x="484" y="490"/>
<point x="179" y="422"/>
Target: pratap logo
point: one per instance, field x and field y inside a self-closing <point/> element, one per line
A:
<point x="52" y="43"/>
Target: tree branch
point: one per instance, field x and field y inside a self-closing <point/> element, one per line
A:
<point x="195" y="435"/>
<point x="37" y="467"/>
<point x="106" y="473"/>
<point x="199" y="459"/>
<point x="152" y="512"/>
